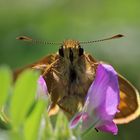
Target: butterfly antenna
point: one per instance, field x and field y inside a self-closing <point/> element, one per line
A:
<point x="100" y="40"/>
<point x="34" y="41"/>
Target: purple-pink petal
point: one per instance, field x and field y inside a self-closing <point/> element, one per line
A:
<point x="109" y="127"/>
<point x="75" y="121"/>
<point x="103" y="93"/>
<point x="42" y="90"/>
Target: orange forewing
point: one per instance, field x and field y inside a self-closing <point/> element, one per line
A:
<point x="129" y="106"/>
<point x="39" y="65"/>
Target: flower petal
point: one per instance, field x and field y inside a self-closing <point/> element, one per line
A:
<point x="42" y="90"/>
<point x="102" y="99"/>
<point x="103" y="94"/>
<point x="75" y="121"/>
<point x="109" y="127"/>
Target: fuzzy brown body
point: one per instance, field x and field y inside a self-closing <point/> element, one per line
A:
<point x="69" y="74"/>
<point x="68" y="83"/>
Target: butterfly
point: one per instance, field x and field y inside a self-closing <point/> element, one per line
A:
<point x="69" y="74"/>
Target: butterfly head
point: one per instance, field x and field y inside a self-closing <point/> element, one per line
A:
<point x="71" y="50"/>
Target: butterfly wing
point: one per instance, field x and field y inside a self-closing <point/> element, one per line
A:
<point x="129" y="106"/>
<point x="39" y="65"/>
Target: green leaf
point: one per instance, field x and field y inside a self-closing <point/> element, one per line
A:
<point x="62" y="130"/>
<point x="32" y="124"/>
<point x="5" y="81"/>
<point x="48" y="130"/>
<point x="23" y="96"/>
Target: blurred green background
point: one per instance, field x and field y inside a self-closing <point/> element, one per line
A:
<point x="55" y="20"/>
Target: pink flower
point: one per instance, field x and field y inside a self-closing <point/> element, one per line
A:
<point x="42" y="90"/>
<point x="101" y="102"/>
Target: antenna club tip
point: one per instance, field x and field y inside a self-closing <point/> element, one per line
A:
<point x="25" y="38"/>
<point x="120" y="35"/>
<point x="20" y="38"/>
<point x="117" y="36"/>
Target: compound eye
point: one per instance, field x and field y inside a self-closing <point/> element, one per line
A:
<point x="81" y="51"/>
<point x="61" y="52"/>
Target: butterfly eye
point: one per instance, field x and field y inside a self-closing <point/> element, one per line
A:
<point x="61" y="52"/>
<point x="81" y="51"/>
